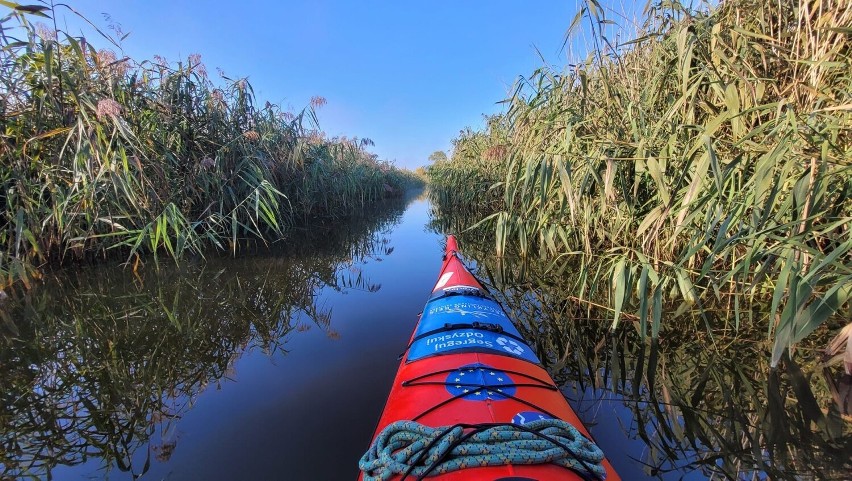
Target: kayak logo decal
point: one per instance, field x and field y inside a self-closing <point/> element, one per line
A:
<point x="462" y="289"/>
<point x="510" y="346"/>
<point x="464" y="312"/>
<point x="451" y="306"/>
<point x="480" y="382"/>
<point x="525" y="417"/>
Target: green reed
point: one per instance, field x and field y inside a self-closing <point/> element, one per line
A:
<point x="686" y="409"/>
<point x="698" y="170"/>
<point x="103" y="154"/>
<point x="468" y="179"/>
<point x="101" y="363"/>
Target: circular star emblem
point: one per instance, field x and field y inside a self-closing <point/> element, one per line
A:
<point x="478" y="382"/>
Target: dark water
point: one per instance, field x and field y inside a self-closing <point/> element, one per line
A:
<point x="276" y="365"/>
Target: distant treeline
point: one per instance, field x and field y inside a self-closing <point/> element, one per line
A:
<point x="702" y="169"/>
<point x="101" y="153"/>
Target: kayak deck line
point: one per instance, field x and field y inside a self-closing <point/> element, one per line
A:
<point x="468" y="382"/>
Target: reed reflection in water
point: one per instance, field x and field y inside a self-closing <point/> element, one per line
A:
<point x="229" y="369"/>
<point x="99" y="365"/>
<point x="698" y="404"/>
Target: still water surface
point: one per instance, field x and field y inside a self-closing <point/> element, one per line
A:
<point x="276" y="365"/>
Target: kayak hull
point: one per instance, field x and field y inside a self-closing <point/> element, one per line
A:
<point x="466" y="363"/>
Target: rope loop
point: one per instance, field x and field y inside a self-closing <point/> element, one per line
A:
<point x="412" y="449"/>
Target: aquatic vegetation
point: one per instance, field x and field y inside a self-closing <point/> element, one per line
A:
<point x="101" y="363"/>
<point x="468" y="179"/>
<point x="101" y="154"/>
<point x="684" y="404"/>
<point x="696" y="175"/>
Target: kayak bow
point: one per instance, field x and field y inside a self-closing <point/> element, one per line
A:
<point x="471" y="400"/>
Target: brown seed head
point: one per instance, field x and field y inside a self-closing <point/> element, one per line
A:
<point x="196" y="65"/>
<point x="45" y="33"/>
<point x="108" y="63"/>
<point x="108" y="108"/>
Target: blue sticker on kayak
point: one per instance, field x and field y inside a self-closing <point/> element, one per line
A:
<point x="470" y="339"/>
<point x="525" y="417"/>
<point x="467" y="323"/>
<point x="478" y="382"/>
<point x="462" y="308"/>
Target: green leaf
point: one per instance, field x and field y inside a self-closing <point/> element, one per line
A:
<point x="820" y="310"/>
<point x="657" y="311"/>
<point x="574" y="22"/>
<point x="780" y="290"/>
<point x="620" y="276"/>
<point x="37" y="10"/>
<point x="714" y="163"/>
<point x="643" y="301"/>
<point x="687" y="291"/>
<point x="656" y="171"/>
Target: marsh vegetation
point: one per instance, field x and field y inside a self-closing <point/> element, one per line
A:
<point x="695" y="177"/>
<point x="689" y="405"/>
<point x="100" y="366"/>
<point x="667" y="220"/>
<point x="103" y="154"/>
<point x="671" y="220"/>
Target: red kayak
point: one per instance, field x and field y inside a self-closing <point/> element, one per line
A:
<point x="471" y="400"/>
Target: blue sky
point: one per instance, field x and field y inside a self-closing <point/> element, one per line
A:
<point x="407" y="74"/>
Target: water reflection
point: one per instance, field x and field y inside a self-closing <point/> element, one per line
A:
<point x="101" y="364"/>
<point x="696" y="405"/>
<point x="103" y="368"/>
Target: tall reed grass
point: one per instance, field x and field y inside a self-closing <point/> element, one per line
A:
<point x="685" y="409"/>
<point x="99" y="366"/>
<point x="468" y="178"/>
<point x="103" y="154"/>
<point x="700" y="170"/>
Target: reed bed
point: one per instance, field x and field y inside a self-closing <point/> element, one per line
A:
<point x="467" y="180"/>
<point x="98" y="365"/>
<point x="701" y="169"/>
<point x="102" y="154"/>
<point x="684" y="409"/>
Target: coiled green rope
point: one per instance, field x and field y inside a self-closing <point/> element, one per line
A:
<point x="410" y="448"/>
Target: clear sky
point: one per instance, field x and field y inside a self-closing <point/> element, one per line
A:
<point x="407" y="74"/>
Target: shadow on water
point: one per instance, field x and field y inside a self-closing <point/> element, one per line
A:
<point x="694" y="405"/>
<point x="100" y="364"/>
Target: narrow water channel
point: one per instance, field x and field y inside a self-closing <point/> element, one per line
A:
<point x="276" y="365"/>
